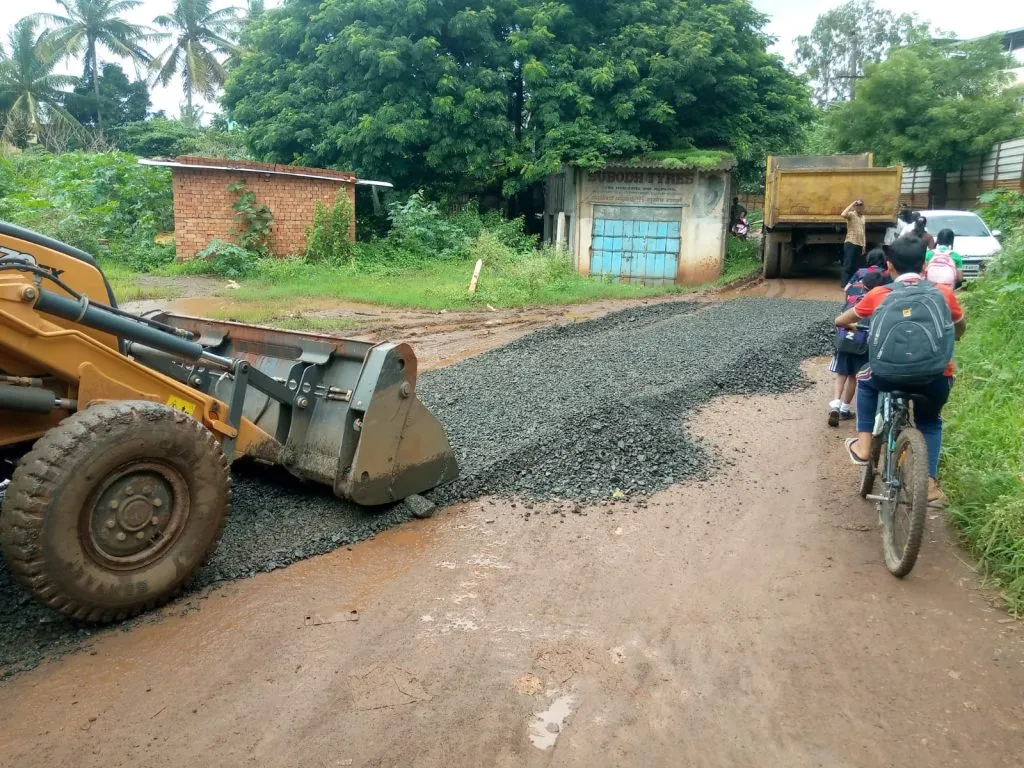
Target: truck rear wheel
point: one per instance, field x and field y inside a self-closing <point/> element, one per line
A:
<point x="770" y="265"/>
<point x="786" y="259"/>
<point x="114" y="509"/>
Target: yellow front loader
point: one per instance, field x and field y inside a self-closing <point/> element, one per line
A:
<point x="122" y="429"/>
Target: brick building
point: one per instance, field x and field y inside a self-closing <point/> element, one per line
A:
<point x="202" y="200"/>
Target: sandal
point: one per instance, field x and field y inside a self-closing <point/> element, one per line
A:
<point x="936" y="498"/>
<point x="857" y="460"/>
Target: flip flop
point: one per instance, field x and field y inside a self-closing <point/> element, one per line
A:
<point x="857" y="461"/>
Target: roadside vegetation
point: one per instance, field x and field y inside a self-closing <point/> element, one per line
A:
<point x="425" y="261"/>
<point x="108" y="205"/>
<point x="983" y="466"/>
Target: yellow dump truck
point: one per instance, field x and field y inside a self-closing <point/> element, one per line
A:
<point x="803" y="198"/>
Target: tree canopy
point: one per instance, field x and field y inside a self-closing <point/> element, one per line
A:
<point x="87" y="26"/>
<point x="473" y="94"/>
<point x="197" y="39"/>
<point x="846" y="38"/>
<point x="120" y="100"/>
<point x="935" y="105"/>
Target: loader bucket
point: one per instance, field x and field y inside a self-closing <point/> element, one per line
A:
<point x="356" y="426"/>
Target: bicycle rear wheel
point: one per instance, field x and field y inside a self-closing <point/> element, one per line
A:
<point x="904" y="516"/>
<point x="870" y="470"/>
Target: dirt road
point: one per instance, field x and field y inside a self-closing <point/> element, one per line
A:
<point x="745" y="621"/>
<point x="444" y="338"/>
<point x="742" y="621"/>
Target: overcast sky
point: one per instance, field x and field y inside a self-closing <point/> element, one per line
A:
<point x="789" y="19"/>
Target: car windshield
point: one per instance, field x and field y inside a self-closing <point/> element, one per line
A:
<point x="962" y="226"/>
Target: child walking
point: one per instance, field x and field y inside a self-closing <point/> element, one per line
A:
<point x="852" y="346"/>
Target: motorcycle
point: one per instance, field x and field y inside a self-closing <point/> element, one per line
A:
<point x="740" y="229"/>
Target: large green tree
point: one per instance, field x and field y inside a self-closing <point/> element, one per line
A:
<point x="934" y="105"/>
<point x="198" y="39"/>
<point x="120" y="100"/>
<point x="31" y="93"/>
<point x="846" y="38"/>
<point x="88" y="25"/>
<point x="473" y="94"/>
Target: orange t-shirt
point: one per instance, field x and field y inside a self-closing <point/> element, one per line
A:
<point x="866" y="307"/>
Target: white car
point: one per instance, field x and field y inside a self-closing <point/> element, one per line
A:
<point x="974" y="241"/>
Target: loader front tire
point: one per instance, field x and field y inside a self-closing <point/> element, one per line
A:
<point x="114" y="509"/>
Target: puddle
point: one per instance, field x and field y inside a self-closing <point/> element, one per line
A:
<point x="547" y="725"/>
<point x="809" y="287"/>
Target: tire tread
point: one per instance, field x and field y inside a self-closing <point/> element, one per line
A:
<point x="38" y="477"/>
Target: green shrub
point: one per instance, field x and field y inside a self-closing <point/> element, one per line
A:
<point x="420" y="231"/>
<point x="223" y="259"/>
<point x="1003" y="210"/>
<point x="253" y="221"/>
<point x="209" y="142"/>
<point x="104" y="203"/>
<point x="160" y="137"/>
<point x="328" y="240"/>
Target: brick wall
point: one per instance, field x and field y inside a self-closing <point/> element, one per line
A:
<point x="751" y="202"/>
<point x="202" y="202"/>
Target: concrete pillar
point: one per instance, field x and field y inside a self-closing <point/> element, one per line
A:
<point x="560" y="231"/>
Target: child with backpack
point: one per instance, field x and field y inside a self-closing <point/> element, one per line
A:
<point x="851" y="345"/>
<point x="944" y="265"/>
<point x="914" y="324"/>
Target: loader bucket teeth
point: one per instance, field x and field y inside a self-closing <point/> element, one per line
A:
<point x="347" y="415"/>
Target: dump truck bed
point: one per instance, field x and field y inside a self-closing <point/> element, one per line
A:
<point x="815" y="189"/>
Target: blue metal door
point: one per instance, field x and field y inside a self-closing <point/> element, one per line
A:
<point x="635" y="243"/>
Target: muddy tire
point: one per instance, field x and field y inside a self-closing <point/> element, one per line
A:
<point x="114" y="509"/>
<point x="903" y="526"/>
<point x="770" y="261"/>
<point x="786" y="260"/>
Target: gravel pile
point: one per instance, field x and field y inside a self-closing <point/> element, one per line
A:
<point x="577" y="413"/>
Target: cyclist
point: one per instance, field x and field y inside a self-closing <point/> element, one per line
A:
<point x="905" y="263"/>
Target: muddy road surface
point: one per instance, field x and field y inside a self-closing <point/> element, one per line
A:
<point x="578" y="412"/>
<point x="737" y="616"/>
<point x="444" y="338"/>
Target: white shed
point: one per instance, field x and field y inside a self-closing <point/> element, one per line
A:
<point x="657" y="219"/>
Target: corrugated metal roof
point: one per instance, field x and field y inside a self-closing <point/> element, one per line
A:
<point x="345" y="178"/>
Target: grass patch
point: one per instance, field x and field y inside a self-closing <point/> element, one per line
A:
<point x="128" y="286"/>
<point x="542" y="278"/>
<point x="741" y="261"/>
<point x="281" y="315"/>
<point x="983" y="446"/>
<point x="313" y="323"/>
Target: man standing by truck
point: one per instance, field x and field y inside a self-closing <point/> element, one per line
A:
<point x="853" y="248"/>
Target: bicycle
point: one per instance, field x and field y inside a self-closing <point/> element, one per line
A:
<point x="903" y="504"/>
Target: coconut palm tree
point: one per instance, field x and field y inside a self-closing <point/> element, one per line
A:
<point x="88" y="25"/>
<point x="197" y="36"/>
<point x="30" y="92"/>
